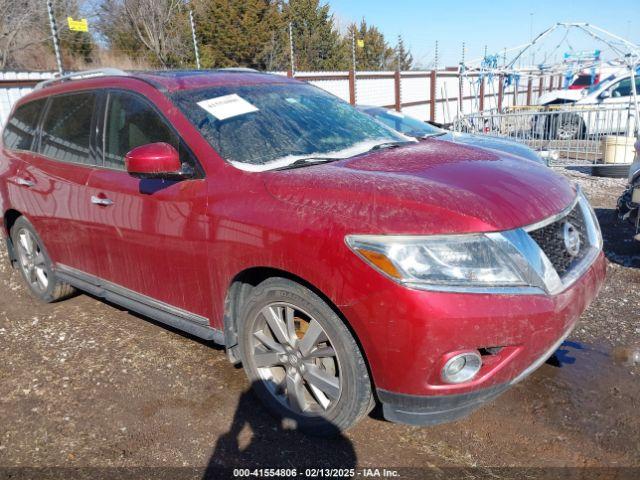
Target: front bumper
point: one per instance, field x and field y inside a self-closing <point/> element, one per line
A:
<point x="418" y="410"/>
<point x="422" y="327"/>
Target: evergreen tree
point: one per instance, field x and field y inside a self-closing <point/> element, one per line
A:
<point x="373" y="52"/>
<point x="404" y="59"/>
<point x="316" y="42"/>
<point x="238" y="33"/>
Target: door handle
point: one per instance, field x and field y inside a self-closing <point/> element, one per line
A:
<point x="103" y="202"/>
<point x="24" y="182"/>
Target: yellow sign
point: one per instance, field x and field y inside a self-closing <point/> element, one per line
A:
<point x="361" y="43"/>
<point x="78" y="25"/>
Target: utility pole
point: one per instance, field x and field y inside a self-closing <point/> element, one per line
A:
<point x="193" y="36"/>
<point x="291" y="58"/>
<point x="54" y="34"/>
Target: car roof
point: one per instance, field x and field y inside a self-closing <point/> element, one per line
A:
<point x="173" y="80"/>
<point x="165" y="81"/>
<point x="168" y="80"/>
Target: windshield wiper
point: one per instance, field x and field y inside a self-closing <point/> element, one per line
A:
<point x="431" y="135"/>
<point x="304" y="162"/>
<point x="395" y="144"/>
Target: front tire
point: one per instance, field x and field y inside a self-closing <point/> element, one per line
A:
<point x="35" y="264"/>
<point x="303" y="362"/>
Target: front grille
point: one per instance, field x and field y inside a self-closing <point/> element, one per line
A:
<point x="552" y="242"/>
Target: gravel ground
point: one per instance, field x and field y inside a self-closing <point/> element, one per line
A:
<point x="85" y="384"/>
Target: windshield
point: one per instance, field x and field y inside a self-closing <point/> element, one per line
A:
<point x="402" y="123"/>
<point x="601" y="85"/>
<point x="266" y="126"/>
<point x="584" y="80"/>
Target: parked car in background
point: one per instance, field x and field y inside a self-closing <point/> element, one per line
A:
<point x="339" y="261"/>
<point x="584" y="80"/>
<point x="629" y="201"/>
<point x="607" y="108"/>
<point x="422" y="130"/>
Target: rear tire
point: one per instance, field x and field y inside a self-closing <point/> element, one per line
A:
<point x="613" y="170"/>
<point x="302" y="360"/>
<point x="35" y="265"/>
<point x="569" y="127"/>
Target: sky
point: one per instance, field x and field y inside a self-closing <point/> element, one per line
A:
<point x="496" y="24"/>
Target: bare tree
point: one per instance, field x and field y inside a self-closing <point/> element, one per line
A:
<point x="20" y="28"/>
<point x="157" y="26"/>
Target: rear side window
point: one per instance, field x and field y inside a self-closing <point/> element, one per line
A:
<point x="66" y="131"/>
<point x="132" y="122"/>
<point x="21" y="127"/>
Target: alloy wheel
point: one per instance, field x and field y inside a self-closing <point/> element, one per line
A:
<point x="296" y="360"/>
<point x="32" y="260"/>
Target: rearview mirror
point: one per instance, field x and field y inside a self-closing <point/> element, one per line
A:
<point x="154" y="160"/>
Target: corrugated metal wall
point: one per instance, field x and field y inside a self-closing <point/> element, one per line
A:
<point x="13" y="85"/>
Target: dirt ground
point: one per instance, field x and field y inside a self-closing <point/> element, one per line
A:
<point x="87" y="387"/>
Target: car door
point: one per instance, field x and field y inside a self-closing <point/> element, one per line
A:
<point x="55" y="175"/>
<point x="149" y="234"/>
<point x="618" y="113"/>
<point x="18" y="140"/>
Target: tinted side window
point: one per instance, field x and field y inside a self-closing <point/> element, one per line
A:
<point x="21" y="127"/>
<point x="132" y="122"/>
<point x="66" y="132"/>
<point x="622" y="88"/>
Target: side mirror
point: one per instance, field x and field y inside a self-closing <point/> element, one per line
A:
<point x="154" y="160"/>
<point x="605" y="94"/>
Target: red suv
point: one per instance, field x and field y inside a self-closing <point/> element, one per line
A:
<point x="341" y="262"/>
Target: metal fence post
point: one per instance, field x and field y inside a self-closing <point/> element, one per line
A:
<point x="396" y="79"/>
<point x="432" y="95"/>
<point x="352" y="87"/>
<point x="460" y="94"/>
<point x="195" y="41"/>
<point x="291" y="57"/>
<point x="54" y="34"/>
<point x="540" y="85"/>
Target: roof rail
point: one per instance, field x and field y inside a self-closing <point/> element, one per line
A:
<point x="238" y="69"/>
<point x="100" y="72"/>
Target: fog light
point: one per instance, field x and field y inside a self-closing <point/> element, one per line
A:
<point x="461" y="367"/>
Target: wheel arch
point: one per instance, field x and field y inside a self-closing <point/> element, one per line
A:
<point x="10" y="217"/>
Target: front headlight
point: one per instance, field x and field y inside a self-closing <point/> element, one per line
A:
<point x="474" y="260"/>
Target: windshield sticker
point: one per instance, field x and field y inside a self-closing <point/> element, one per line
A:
<point x="227" y="106"/>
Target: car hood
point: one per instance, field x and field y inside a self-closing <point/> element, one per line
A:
<point x="565" y="95"/>
<point x="494" y="143"/>
<point x="432" y="187"/>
